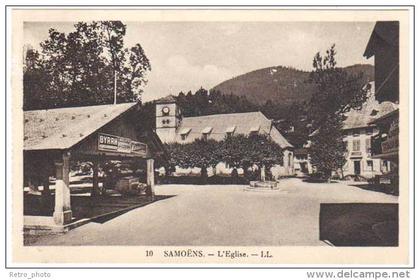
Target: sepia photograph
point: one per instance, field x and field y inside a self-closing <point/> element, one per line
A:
<point x="212" y="131"/>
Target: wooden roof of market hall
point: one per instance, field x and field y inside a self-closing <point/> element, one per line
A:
<point x="62" y="128"/>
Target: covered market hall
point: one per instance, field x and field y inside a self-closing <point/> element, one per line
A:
<point x="56" y="138"/>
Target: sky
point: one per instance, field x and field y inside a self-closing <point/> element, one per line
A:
<point x="189" y="55"/>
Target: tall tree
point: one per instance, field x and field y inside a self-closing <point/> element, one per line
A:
<point x="35" y="81"/>
<point x="134" y="72"/>
<point x="79" y="68"/>
<point x="336" y="93"/>
<point x="113" y="35"/>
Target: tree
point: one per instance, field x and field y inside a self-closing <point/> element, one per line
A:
<point x="35" y="81"/>
<point x="327" y="148"/>
<point x="238" y="151"/>
<point x="336" y="93"/>
<point x="134" y="72"/>
<point x="113" y="38"/>
<point x="78" y="68"/>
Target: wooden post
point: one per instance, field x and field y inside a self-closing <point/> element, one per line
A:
<point x="95" y="179"/>
<point x="62" y="210"/>
<point x="151" y="177"/>
<point x="46" y="184"/>
<point x="115" y="87"/>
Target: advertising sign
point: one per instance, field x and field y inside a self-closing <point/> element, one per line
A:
<point x="138" y="148"/>
<point x="107" y="142"/>
<point x="124" y="145"/>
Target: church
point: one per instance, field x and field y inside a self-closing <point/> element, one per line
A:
<point x="171" y="127"/>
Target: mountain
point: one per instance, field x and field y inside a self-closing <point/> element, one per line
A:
<point x="279" y="84"/>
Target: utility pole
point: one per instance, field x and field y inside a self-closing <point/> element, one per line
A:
<point x="115" y="87"/>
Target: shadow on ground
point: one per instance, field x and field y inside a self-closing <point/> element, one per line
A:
<point x="359" y="224"/>
<point x="100" y="209"/>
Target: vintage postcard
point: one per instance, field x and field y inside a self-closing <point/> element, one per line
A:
<point x="192" y="137"/>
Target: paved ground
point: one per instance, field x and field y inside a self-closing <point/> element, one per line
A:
<point x="222" y="215"/>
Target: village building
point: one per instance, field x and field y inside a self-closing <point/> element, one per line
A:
<point x="55" y="138"/>
<point x="302" y="161"/>
<point x="358" y="132"/>
<point x="384" y="46"/>
<point x="171" y="127"/>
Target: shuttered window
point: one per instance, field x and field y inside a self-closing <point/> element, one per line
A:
<point x="356" y="145"/>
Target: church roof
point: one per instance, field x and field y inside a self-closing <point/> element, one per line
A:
<point x="216" y="127"/>
<point x="167" y="99"/>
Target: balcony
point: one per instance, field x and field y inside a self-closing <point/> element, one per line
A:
<point x="384" y="146"/>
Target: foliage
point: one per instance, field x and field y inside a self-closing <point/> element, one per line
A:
<point x="236" y="150"/>
<point x="327" y="148"/>
<point x="282" y="85"/>
<point x="336" y="93"/>
<point x="78" y="68"/>
<point x="203" y="102"/>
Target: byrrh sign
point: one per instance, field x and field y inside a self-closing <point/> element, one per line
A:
<point x="107" y="142"/>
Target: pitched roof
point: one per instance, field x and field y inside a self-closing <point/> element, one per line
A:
<point x="301" y="151"/>
<point x="384" y="33"/>
<point x="220" y="123"/>
<point x="370" y="111"/>
<point x="167" y="99"/>
<point x="64" y="127"/>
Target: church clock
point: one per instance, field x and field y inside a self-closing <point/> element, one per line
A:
<point x="165" y="110"/>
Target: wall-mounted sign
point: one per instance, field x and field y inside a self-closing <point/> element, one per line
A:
<point x="107" y="142"/>
<point x="138" y="148"/>
<point x="391" y="144"/>
<point x="124" y="145"/>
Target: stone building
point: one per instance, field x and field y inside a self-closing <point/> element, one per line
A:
<point x="171" y="127"/>
<point x="358" y="131"/>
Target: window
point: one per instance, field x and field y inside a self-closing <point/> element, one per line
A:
<point x="368" y="145"/>
<point x="385" y="166"/>
<point x="369" y="165"/>
<point x="346" y="145"/>
<point x="206" y="132"/>
<point x="254" y="130"/>
<point x="230" y="130"/>
<point x="184" y="133"/>
<point x="356" y="145"/>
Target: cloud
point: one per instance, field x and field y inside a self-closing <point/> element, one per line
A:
<point x="178" y="74"/>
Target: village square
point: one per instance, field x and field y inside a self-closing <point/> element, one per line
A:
<point x="272" y="156"/>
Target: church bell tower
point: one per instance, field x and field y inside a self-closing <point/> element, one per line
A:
<point x="168" y="118"/>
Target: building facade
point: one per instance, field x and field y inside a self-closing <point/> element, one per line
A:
<point x="384" y="46"/>
<point x="358" y="133"/>
<point x="302" y="162"/>
<point x="171" y="127"/>
<point x="359" y="153"/>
